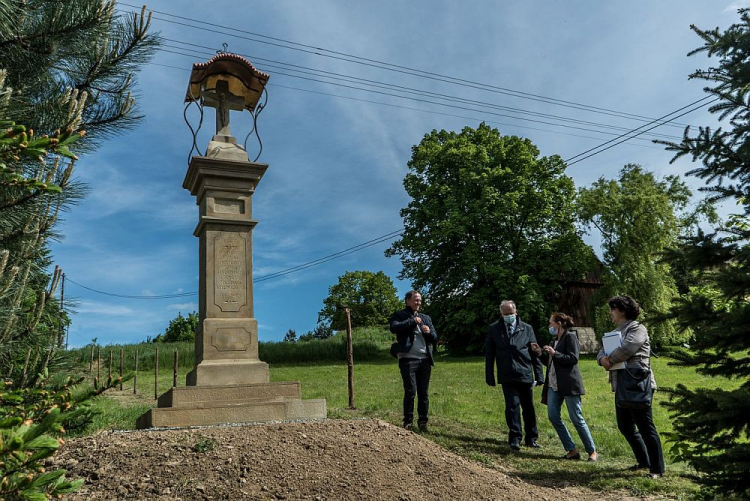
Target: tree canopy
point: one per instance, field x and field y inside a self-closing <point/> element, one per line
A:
<point x="638" y="216"/>
<point x="489" y="219"/>
<point x="371" y="297"/>
<point x="711" y="425"/>
<point x="179" y="329"/>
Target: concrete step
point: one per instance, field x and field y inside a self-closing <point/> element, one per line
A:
<point x="200" y="396"/>
<point x="276" y="410"/>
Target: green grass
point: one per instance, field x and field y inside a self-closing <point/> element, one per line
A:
<point x="370" y="343"/>
<point x="467" y="417"/>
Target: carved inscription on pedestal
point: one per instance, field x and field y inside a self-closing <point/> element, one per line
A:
<point x="231" y="339"/>
<point x="227" y="206"/>
<point x="230" y="272"/>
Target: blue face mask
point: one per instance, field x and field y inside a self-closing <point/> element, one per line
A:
<point x="553" y="330"/>
<point x="509" y="319"/>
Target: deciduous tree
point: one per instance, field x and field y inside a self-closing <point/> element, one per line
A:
<point x="179" y="329"/>
<point x="371" y="297"/>
<point x="638" y="216"/>
<point x="489" y="219"/>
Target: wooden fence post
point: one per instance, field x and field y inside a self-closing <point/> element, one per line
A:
<point x="98" y="362"/>
<point x="121" y="367"/>
<point x="135" y="378"/>
<point x="156" y="374"/>
<point x="91" y="361"/>
<point x="350" y="357"/>
<point x="174" y="367"/>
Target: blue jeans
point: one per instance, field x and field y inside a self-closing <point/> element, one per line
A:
<point x="554" y="404"/>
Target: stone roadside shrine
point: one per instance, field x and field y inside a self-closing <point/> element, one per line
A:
<point x="229" y="383"/>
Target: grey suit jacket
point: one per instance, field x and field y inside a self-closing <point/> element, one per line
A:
<point x="635" y="350"/>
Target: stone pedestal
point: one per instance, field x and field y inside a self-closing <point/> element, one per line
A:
<point x="207" y="405"/>
<point x="587" y="339"/>
<point x="229" y="382"/>
<point x="226" y="344"/>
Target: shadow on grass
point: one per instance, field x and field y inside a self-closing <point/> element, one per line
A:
<point x="539" y="467"/>
<point x="493" y="446"/>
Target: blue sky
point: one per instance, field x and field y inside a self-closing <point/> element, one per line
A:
<point x="337" y="161"/>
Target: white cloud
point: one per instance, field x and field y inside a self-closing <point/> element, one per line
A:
<point x="186" y="307"/>
<point x="738" y="4"/>
<point x="97" y="308"/>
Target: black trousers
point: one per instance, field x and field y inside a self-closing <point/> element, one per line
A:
<point x="416" y="374"/>
<point x="638" y="428"/>
<point x="520" y="397"/>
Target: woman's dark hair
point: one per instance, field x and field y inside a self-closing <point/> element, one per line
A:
<point x="627" y="305"/>
<point x="565" y="320"/>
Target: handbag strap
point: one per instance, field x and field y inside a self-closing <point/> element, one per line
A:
<point x="647" y="369"/>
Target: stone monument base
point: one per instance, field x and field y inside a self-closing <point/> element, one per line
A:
<point x="208" y="405"/>
<point x="587" y="339"/>
<point x="224" y="372"/>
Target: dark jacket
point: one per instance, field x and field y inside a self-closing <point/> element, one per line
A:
<point x="565" y="359"/>
<point x="515" y="361"/>
<point x="403" y="326"/>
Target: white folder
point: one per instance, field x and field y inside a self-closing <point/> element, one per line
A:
<point x="611" y="341"/>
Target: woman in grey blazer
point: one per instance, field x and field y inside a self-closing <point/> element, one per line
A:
<point x="564" y="384"/>
<point x="636" y="425"/>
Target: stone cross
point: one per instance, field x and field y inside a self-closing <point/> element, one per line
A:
<point x="224" y="101"/>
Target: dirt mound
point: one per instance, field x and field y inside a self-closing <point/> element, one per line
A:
<point x="321" y="460"/>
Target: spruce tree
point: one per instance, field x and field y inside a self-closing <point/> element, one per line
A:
<point x="711" y="424"/>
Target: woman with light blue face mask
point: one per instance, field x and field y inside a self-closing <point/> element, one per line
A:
<point x="564" y="384"/>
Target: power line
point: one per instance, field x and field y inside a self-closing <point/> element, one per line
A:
<point x="304" y="70"/>
<point x="128" y="296"/>
<point x="293" y="269"/>
<point x="427" y="101"/>
<point x="446" y="114"/>
<point x="598" y="150"/>
<point x="331" y="257"/>
<point x="351" y="58"/>
<point x="421" y="110"/>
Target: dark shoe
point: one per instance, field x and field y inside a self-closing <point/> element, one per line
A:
<point x="516" y="446"/>
<point x="636" y="467"/>
<point x="533" y="445"/>
<point x="422" y="427"/>
<point x="409" y="426"/>
<point x="572" y="455"/>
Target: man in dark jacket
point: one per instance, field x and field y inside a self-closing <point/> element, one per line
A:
<point x="519" y="369"/>
<point x="416" y="341"/>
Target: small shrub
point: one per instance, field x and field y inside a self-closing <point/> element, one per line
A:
<point x="204" y="444"/>
<point x="31" y="430"/>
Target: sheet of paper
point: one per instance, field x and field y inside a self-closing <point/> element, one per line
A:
<point x="611" y="341"/>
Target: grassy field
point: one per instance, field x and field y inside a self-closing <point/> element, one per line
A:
<point x="466" y="417"/>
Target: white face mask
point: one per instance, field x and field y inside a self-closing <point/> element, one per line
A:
<point x="509" y="319"/>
